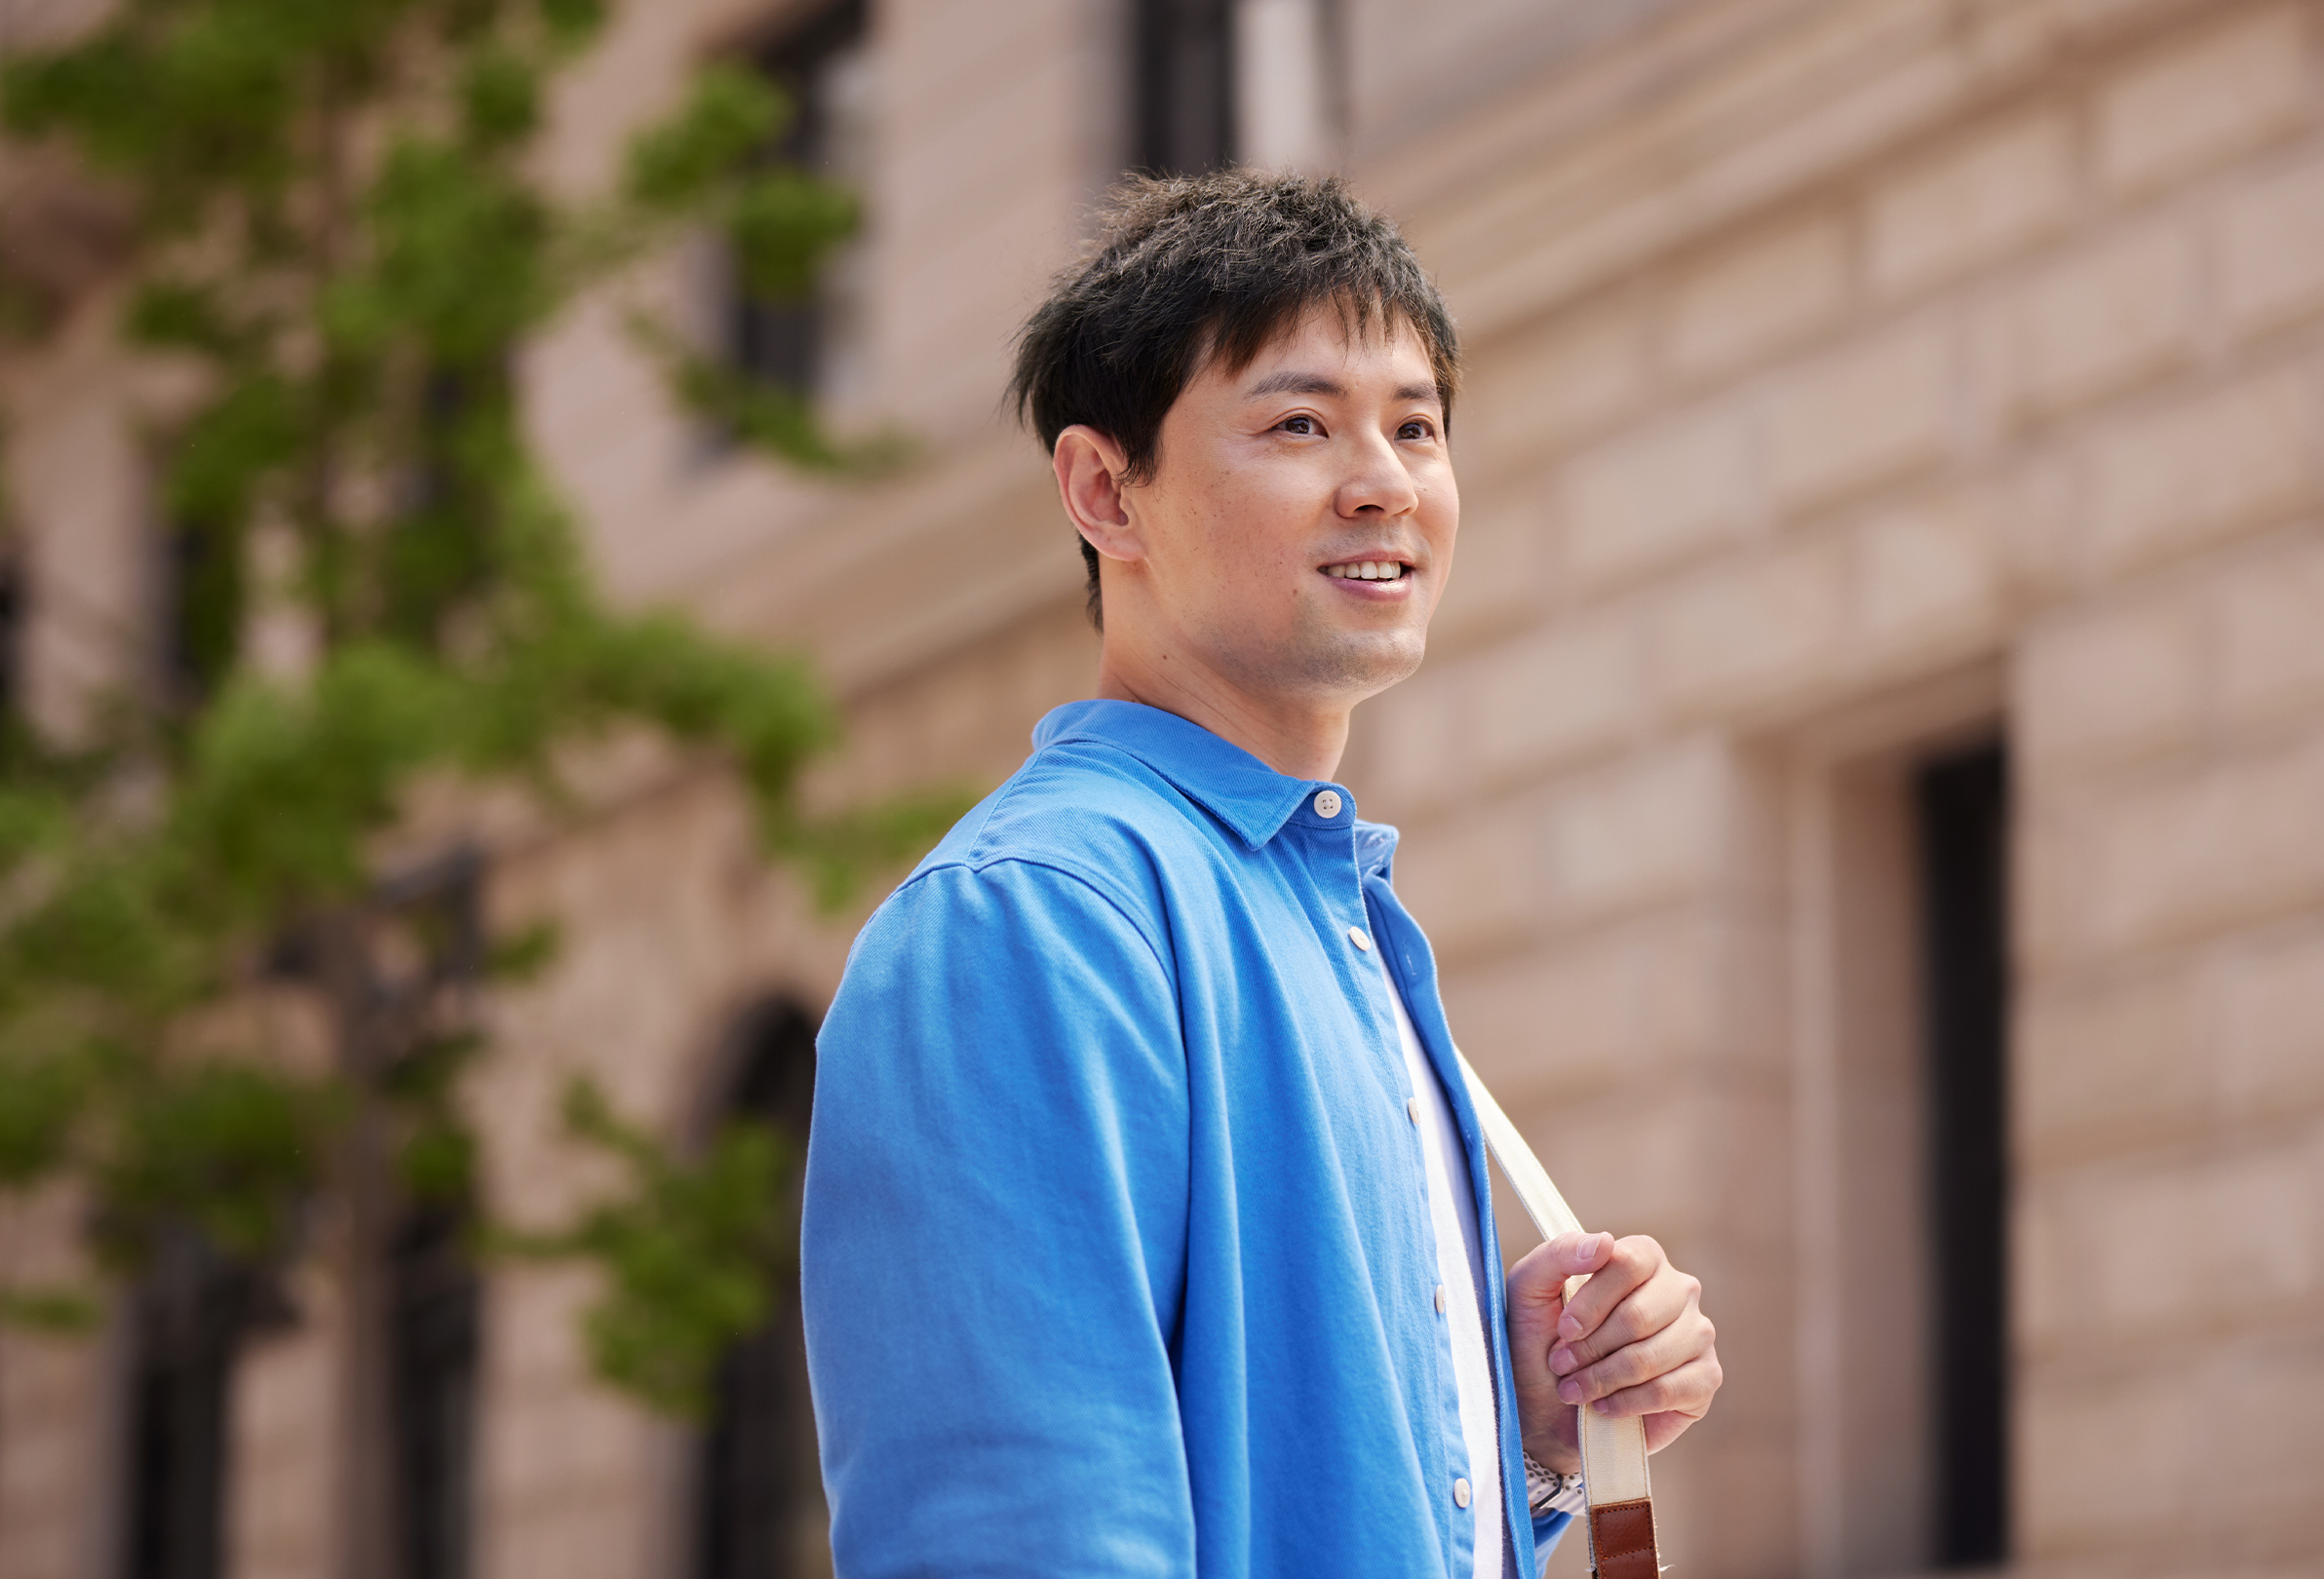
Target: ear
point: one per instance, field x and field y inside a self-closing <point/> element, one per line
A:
<point x="1090" y="468"/>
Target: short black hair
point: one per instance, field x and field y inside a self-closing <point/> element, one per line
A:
<point x="1187" y="269"/>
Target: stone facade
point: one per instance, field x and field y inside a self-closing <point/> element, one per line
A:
<point x="1848" y="379"/>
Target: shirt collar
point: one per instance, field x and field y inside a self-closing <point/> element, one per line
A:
<point x="1228" y="781"/>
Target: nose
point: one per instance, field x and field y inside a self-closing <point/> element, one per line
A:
<point x="1377" y="483"/>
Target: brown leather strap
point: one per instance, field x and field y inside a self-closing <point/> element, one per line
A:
<point x="1622" y="1540"/>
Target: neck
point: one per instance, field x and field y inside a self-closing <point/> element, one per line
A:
<point x="1293" y="736"/>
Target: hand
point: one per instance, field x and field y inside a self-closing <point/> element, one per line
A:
<point x="1634" y="1342"/>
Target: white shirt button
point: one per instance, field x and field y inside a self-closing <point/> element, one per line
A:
<point x="1360" y="938"/>
<point x="1461" y="1493"/>
<point x="1440" y="1299"/>
<point x="1411" y="1108"/>
<point x="1327" y="803"/>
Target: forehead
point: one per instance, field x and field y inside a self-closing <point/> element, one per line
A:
<point x="1328" y="337"/>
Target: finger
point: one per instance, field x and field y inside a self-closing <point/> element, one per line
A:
<point x="1633" y="1261"/>
<point x="1536" y="1284"/>
<point x="1686" y="1392"/>
<point x="1663" y="1298"/>
<point x="1681" y="1341"/>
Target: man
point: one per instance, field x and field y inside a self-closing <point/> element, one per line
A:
<point x="1148" y="1224"/>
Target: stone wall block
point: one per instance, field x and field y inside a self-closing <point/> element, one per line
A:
<point x="1741" y="631"/>
<point x="1637" y="1001"/>
<point x="1560" y="692"/>
<point x="2201" y="469"/>
<point x="1926" y="581"/>
<point x="2126" y="677"/>
<point x="1652" y="828"/>
<point x="1479" y="881"/>
<point x="2262" y="1443"/>
<point x="1524" y="392"/>
<point x="2098" y="319"/>
<point x="2271" y="247"/>
<point x="2269" y="619"/>
<point x="2150" y="1246"/>
<point x="2126" y="1057"/>
<point x="2264" y="1017"/>
<point x="1648" y="499"/>
<point x="2232" y="841"/>
<point x="1862" y="414"/>
<point x="1972" y="203"/>
<point x="1761" y="298"/>
<point x="2100" y="1462"/>
<point x="2192" y="103"/>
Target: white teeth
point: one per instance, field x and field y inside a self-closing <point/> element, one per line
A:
<point x="1366" y="570"/>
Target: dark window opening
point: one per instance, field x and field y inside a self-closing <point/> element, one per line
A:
<point x="437" y="551"/>
<point x="760" y="1510"/>
<point x="192" y="1311"/>
<point x="11" y="634"/>
<point x="201" y="615"/>
<point x="1960" y="806"/>
<point x="1185" y="87"/>
<point x="791" y="344"/>
<point x="433" y="1302"/>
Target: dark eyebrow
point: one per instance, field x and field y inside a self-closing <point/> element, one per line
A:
<point x="1289" y="382"/>
<point x="1292" y="382"/>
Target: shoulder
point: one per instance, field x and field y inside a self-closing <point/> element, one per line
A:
<point x="1090" y="816"/>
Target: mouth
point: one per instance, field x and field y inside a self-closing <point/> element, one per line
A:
<point x="1374" y="570"/>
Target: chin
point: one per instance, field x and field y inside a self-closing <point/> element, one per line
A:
<point x="1363" y="666"/>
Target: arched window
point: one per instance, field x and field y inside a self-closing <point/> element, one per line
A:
<point x="760" y="1513"/>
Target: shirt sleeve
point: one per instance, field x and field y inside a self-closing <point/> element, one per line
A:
<point x="993" y="1245"/>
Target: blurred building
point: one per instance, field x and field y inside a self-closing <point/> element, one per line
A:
<point x="1867" y="788"/>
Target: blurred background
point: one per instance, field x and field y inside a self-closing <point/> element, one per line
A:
<point x="1867" y="786"/>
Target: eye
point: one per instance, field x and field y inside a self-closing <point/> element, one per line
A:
<point x="1418" y="428"/>
<point x="1302" y="423"/>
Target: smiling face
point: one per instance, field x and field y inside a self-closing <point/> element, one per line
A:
<point x="1297" y="528"/>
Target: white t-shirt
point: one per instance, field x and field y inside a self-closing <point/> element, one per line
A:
<point x="1460" y="1271"/>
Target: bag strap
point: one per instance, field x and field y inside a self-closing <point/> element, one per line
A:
<point x="1613" y="1452"/>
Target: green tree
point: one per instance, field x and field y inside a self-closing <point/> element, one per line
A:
<point x="335" y="225"/>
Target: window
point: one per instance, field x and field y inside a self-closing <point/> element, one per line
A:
<point x="190" y="1315"/>
<point x="1185" y="86"/>
<point x="1960" y="807"/>
<point x="760" y="1509"/>
<point x="202" y="608"/>
<point x="433" y="1299"/>
<point x="12" y="613"/>
<point x="813" y="347"/>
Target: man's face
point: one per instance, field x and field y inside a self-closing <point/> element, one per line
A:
<point x="1299" y="526"/>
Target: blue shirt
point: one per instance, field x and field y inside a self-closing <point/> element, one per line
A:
<point x="1116" y="1256"/>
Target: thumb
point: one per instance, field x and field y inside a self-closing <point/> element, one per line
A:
<point x="1536" y="1284"/>
<point x="1577" y="1254"/>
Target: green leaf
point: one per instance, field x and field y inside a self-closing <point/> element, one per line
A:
<point x="782" y="225"/>
<point x="727" y="122"/>
<point x="53" y="1312"/>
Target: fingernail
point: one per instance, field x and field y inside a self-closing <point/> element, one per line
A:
<point x="1586" y="1252"/>
<point x="1569" y="1328"/>
<point x="1562" y="1361"/>
<point x="1570" y="1390"/>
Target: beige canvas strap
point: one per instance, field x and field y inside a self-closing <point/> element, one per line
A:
<point x="1613" y="1452"/>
